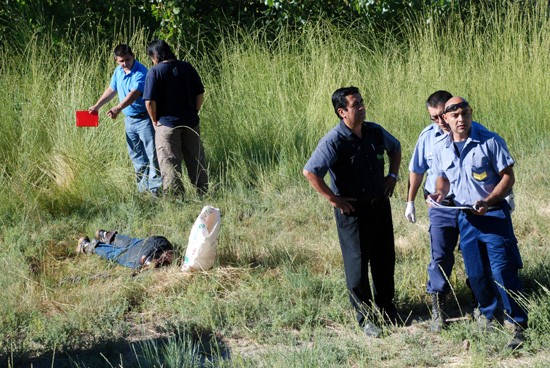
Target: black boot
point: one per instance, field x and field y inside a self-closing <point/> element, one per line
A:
<point x="438" y="312"/>
<point x="518" y="339"/>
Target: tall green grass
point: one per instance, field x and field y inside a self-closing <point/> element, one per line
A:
<point x="277" y="295"/>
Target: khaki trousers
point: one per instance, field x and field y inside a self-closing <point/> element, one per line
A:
<point x="175" y="145"/>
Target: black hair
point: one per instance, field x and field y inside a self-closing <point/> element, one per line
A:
<point x="161" y="50"/>
<point x="339" y="100"/>
<point x="122" y="50"/>
<point x="438" y="98"/>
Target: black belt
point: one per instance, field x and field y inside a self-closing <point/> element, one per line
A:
<point x="496" y="207"/>
<point x="139" y="116"/>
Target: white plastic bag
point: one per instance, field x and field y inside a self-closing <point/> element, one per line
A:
<point x="203" y="239"/>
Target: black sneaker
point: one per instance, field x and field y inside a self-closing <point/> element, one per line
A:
<point x="371" y="330"/>
<point x="517" y="340"/>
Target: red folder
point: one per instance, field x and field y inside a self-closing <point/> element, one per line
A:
<point x="84" y="118"/>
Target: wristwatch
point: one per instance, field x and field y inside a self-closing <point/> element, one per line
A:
<point x="394" y="176"/>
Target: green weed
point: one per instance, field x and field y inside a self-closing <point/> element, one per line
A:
<point x="277" y="294"/>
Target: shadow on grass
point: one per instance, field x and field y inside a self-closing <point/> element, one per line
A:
<point x="182" y="348"/>
<point x="535" y="278"/>
<point x="270" y="258"/>
<point x="461" y="304"/>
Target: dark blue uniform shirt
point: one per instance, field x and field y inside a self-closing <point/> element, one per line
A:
<point x="355" y="165"/>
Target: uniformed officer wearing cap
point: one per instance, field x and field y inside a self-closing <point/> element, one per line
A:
<point x="476" y="164"/>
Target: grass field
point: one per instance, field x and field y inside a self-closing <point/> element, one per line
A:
<point x="276" y="297"/>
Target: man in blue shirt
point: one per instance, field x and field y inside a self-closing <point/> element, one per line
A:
<point x="443" y="222"/>
<point x="128" y="81"/>
<point x="353" y="155"/>
<point x="476" y="164"/>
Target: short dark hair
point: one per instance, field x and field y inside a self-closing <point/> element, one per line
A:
<point x="122" y="50"/>
<point x="438" y="98"/>
<point x="339" y="100"/>
<point x="161" y="50"/>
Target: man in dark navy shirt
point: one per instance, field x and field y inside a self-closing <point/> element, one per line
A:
<point x="173" y="97"/>
<point x="353" y="155"/>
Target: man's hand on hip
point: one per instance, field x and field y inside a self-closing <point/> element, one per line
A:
<point x="342" y="203"/>
<point x="390" y="182"/>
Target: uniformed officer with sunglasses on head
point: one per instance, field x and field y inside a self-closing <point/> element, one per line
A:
<point x="478" y="167"/>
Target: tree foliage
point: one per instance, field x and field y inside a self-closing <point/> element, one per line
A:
<point x="61" y="18"/>
<point x="183" y="17"/>
<point x="182" y="21"/>
<point x="177" y="19"/>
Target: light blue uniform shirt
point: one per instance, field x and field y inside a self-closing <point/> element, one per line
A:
<point x="422" y="157"/>
<point x="474" y="173"/>
<point x="421" y="160"/>
<point x="125" y="83"/>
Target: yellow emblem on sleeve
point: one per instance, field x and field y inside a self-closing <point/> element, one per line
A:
<point x="480" y="176"/>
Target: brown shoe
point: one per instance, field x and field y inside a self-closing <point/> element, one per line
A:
<point x="104" y="236"/>
<point x="84" y="245"/>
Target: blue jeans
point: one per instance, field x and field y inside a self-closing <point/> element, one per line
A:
<point x="128" y="251"/>
<point x="492" y="260"/>
<point x="443" y="239"/>
<point x="140" y="138"/>
<point x="118" y="250"/>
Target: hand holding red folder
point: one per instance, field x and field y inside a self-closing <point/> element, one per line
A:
<point x="84" y="118"/>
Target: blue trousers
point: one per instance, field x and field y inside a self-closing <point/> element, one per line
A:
<point x="127" y="251"/>
<point x="366" y="238"/>
<point x="443" y="239"/>
<point x="492" y="260"/>
<point x="140" y="139"/>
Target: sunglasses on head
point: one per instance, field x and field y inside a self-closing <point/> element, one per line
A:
<point x="454" y="107"/>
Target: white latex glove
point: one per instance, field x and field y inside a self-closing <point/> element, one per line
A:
<point x="410" y="212"/>
<point x="510" y="199"/>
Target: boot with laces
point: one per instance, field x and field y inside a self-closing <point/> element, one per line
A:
<point x="438" y="314"/>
